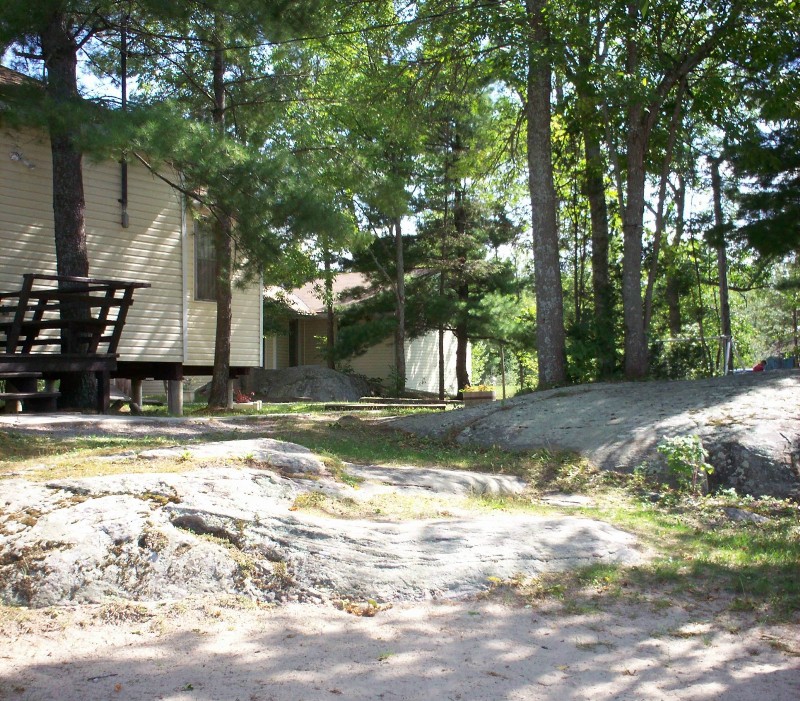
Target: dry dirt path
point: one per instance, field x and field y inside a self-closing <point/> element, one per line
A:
<point x="467" y="650"/>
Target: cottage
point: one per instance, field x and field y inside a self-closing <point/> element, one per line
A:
<point x="170" y="328"/>
<point x="304" y="337"/>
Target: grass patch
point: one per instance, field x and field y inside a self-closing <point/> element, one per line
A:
<point x="275" y="409"/>
<point x="703" y="553"/>
<point x="367" y="443"/>
<point x="385" y="507"/>
<point x="45" y="457"/>
<point x="201" y="409"/>
<point x="123" y="612"/>
<point x="95" y="467"/>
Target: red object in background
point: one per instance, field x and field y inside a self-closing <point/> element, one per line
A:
<point x="241" y="398"/>
<point x="760" y="367"/>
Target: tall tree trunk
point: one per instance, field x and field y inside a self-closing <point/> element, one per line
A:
<point x="400" y="310"/>
<point x="578" y="256"/>
<point x="330" y="319"/>
<point x="722" y="265"/>
<point x="636" y="362"/>
<point x="673" y="290"/>
<point x="666" y="167"/>
<point x="550" y="339"/>
<point x="60" y="55"/>
<point x="601" y="281"/>
<point x="701" y="308"/>
<point x="462" y="290"/>
<point x="443" y="263"/>
<point x="462" y="343"/>
<point x="595" y="190"/>
<point x="218" y="396"/>
<point x="641" y="119"/>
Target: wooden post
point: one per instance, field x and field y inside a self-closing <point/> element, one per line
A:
<point x="503" y="366"/>
<point x="13" y="406"/>
<point x="175" y="397"/>
<point x="136" y="392"/>
<point x="230" y="393"/>
<point x="103" y="391"/>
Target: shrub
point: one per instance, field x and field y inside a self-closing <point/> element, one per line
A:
<point x="686" y="460"/>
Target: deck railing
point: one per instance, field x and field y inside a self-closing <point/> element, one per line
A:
<point x="55" y="325"/>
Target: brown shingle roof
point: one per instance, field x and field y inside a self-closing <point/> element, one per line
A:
<point x="308" y="299"/>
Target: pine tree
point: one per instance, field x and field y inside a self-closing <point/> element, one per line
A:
<point x="54" y="32"/>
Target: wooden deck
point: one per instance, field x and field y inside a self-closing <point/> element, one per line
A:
<point x="55" y="326"/>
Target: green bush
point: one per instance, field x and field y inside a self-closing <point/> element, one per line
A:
<point x="686" y="460"/>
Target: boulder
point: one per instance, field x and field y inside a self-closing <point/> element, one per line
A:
<point x="287" y="458"/>
<point x="306" y="382"/>
<point x="237" y="530"/>
<point x="747" y="422"/>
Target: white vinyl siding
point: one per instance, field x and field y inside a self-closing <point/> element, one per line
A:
<point x="205" y="263"/>
<point x="148" y="251"/>
<point x="422" y="363"/>
<point x="26" y="209"/>
<point x="422" y="357"/>
<point x="164" y="317"/>
<point x="276" y="352"/>
<point x="202" y="320"/>
<point x="377" y="362"/>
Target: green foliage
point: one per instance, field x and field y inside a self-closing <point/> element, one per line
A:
<point x="582" y="353"/>
<point x="396" y="382"/>
<point x="767" y="317"/>
<point x="680" y="360"/>
<point x="364" y="325"/>
<point x="343" y="118"/>
<point x="769" y="163"/>
<point x="685" y="457"/>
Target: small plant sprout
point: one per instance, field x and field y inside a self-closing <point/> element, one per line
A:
<point x="686" y="460"/>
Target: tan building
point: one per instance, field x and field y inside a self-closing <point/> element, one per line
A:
<point x="306" y="335"/>
<point x="169" y="333"/>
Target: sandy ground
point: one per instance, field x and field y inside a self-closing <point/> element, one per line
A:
<point x="479" y="649"/>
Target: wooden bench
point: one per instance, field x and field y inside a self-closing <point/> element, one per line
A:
<point x="55" y="326"/>
<point x="32" y="401"/>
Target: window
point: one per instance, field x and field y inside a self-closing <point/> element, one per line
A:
<point x="205" y="263"/>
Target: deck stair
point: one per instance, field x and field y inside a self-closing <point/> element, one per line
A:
<point x="58" y="325"/>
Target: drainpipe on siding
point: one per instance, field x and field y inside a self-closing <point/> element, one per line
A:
<point x="185" y="290"/>
<point x="262" y="351"/>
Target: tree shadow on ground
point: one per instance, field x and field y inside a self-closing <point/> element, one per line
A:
<point x="467" y="650"/>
